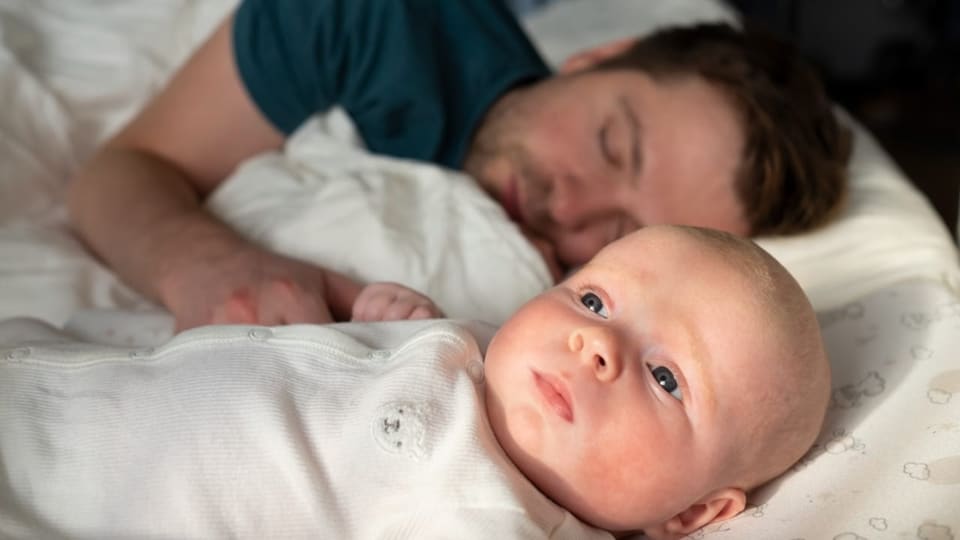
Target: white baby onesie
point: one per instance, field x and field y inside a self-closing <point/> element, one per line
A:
<point x="252" y="432"/>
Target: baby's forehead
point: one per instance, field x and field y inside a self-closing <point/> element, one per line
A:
<point x="761" y="359"/>
<point x="682" y="254"/>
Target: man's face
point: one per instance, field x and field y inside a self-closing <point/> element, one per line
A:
<point x="583" y="159"/>
<point x="622" y="393"/>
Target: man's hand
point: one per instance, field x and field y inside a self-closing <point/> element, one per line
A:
<point x="392" y="302"/>
<point x="254" y="286"/>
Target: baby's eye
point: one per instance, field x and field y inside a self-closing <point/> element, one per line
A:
<point x="594" y="304"/>
<point x="667" y="381"/>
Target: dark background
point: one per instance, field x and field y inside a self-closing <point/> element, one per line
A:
<point x="895" y="65"/>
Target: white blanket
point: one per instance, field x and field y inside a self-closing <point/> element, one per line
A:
<point x="382" y="219"/>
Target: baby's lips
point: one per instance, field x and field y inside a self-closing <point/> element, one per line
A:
<point x="555" y="394"/>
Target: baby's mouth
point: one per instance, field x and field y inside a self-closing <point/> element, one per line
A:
<point x="555" y="395"/>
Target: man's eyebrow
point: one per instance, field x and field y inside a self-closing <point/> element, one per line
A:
<point x="634" y="123"/>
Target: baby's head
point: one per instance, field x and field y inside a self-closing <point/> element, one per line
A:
<point x="653" y="388"/>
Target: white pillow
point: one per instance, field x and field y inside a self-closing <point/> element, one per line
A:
<point x="568" y="26"/>
<point x="888" y="233"/>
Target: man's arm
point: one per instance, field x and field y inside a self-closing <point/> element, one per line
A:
<point x="138" y="204"/>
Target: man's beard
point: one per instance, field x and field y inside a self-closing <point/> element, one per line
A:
<point x="529" y="175"/>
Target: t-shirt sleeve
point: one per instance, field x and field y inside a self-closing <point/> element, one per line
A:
<point x="415" y="76"/>
<point x="276" y="51"/>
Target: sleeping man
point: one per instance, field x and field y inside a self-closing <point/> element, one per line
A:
<point x="702" y="126"/>
<point x="650" y="391"/>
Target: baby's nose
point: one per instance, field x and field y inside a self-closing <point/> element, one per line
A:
<point x="598" y="349"/>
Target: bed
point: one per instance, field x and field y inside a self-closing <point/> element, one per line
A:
<point x="884" y="276"/>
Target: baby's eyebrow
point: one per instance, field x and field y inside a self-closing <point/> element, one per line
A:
<point x="695" y="358"/>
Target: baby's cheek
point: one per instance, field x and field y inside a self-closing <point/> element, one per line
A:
<point x="526" y="428"/>
<point x="517" y="424"/>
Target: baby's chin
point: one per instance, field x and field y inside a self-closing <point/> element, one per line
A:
<point x="558" y="489"/>
<point x="519" y="434"/>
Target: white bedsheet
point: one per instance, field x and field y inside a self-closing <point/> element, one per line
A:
<point x="70" y="74"/>
<point x="887" y="463"/>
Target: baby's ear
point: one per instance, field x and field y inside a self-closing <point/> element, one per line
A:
<point x="720" y="505"/>
<point x="588" y="58"/>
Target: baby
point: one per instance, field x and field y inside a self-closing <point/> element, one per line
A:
<point x="649" y="391"/>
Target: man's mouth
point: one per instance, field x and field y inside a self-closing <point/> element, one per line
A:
<point x="555" y="395"/>
<point x="511" y="201"/>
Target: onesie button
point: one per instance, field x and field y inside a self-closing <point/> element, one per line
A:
<point x="18" y="354"/>
<point x="382" y="354"/>
<point x="260" y="334"/>
<point x="475" y="370"/>
<point x="142" y="353"/>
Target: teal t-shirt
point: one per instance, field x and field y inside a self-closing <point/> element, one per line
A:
<point x="415" y="76"/>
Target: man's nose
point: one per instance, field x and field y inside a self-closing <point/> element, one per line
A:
<point x="599" y="349"/>
<point x="572" y="201"/>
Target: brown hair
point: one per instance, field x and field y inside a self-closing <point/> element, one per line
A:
<point x="793" y="174"/>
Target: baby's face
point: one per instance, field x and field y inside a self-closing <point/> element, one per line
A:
<point x="619" y="392"/>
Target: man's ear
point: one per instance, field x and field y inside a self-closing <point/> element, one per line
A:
<point x="718" y="506"/>
<point x="588" y="58"/>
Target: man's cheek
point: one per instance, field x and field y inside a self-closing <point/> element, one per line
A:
<point x="575" y="250"/>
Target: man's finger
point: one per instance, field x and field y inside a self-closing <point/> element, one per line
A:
<point x="239" y="308"/>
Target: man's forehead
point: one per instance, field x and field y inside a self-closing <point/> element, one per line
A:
<point x="694" y="143"/>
